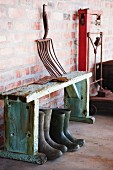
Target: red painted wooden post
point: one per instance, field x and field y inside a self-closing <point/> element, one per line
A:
<point x="84" y="28"/>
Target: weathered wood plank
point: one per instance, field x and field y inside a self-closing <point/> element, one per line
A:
<point x="51" y="87"/>
<point x="34" y="91"/>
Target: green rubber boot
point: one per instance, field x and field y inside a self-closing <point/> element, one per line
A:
<point x="57" y="132"/>
<point x="67" y="133"/>
<point x="43" y="146"/>
<point x="47" y="120"/>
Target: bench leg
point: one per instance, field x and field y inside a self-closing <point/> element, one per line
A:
<point x="21" y="131"/>
<point x="77" y="99"/>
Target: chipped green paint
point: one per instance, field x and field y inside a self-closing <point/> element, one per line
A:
<point x="77" y="100"/>
<point x="21" y="136"/>
<point x="38" y="159"/>
<point x="19" y="126"/>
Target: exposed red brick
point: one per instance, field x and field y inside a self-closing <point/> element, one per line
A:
<point x="18" y="74"/>
<point x="74" y="26"/>
<point x="73" y="68"/>
<point x="72" y="60"/>
<point x="54" y="94"/>
<point x="44" y="98"/>
<point x="74" y="17"/>
<point x="27" y="81"/>
<point x="36" y="25"/>
<point x="73" y="34"/>
<point x="57" y="102"/>
<point x="73" y="51"/>
<point x="67" y="35"/>
<point x="3" y="11"/>
<point x="36" y="69"/>
<point x="68" y="26"/>
<point x="60" y="101"/>
<point x="1" y="103"/>
<point x="13" y="85"/>
<point x="22" y="72"/>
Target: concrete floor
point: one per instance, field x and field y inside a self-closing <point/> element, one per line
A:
<point x="97" y="154"/>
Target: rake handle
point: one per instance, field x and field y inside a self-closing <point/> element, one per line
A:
<point x="45" y="22"/>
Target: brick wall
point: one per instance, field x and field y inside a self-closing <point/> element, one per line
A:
<point x="21" y="24"/>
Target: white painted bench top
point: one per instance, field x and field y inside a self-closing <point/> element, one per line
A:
<point x="35" y="91"/>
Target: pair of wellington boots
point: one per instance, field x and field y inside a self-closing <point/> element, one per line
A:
<point x="60" y="143"/>
<point x="46" y="145"/>
<point x="59" y="130"/>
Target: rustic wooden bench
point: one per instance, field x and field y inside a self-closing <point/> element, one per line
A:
<point x="21" y="110"/>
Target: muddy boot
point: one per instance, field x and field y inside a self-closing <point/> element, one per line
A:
<point x="47" y="119"/>
<point x="56" y="130"/>
<point x="80" y="142"/>
<point x="43" y="146"/>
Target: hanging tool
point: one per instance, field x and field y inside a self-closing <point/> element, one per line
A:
<point x="45" y="22"/>
<point x="46" y="51"/>
<point x="96" y="44"/>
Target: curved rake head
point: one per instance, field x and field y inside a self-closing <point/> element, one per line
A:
<point x="48" y="57"/>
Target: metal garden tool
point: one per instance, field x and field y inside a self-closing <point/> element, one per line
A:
<point x="47" y="53"/>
